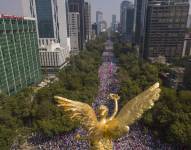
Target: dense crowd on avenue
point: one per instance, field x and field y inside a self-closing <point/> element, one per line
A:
<point x="135" y="140"/>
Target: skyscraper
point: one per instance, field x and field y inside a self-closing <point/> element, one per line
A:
<point x="78" y="6"/>
<point x="19" y="56"/>
<point x="94" y="30"/>
<point x="137" y="21"/>
<point x="127" y="19"/>
<point x="99" y="19"/>
<point x="45" y="19"/>
<point x="74" y="31"/>
<point x="164" y="23"/>
<point x="51" y="20"/>
<point x="87" y="19"/>
<point x="114" y="23"/>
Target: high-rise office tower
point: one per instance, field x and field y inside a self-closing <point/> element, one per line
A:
<point x="94" y="30"/>
<point x="99" y="19"/>
<point x="137" y="21"/>
<point x="114" y="23"/>
<point x="87" y="19"/>
<point x="74" y="31"/>
<point x="163" y="27"/>
<point x="127" y="19"/>
<point x="78" y="6"/>
<point x="51" y="20"/>
<point x="51" y="16"/>
<point x="19" y="56"/>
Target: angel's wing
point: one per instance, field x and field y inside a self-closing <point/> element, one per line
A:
<point x="78" y="111"/>
<point x="135" y="108"/>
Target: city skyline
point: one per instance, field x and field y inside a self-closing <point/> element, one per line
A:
<point x="14" y="8"/>
<point x="97" y="5"/>
<point x="67" y="66"/>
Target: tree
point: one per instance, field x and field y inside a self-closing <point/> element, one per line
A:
<point x="172" y="115"/>
<point x="170" y="118"/>
<point x="30" y="111"/>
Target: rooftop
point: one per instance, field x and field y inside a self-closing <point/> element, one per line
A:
<point x="5" y="16"/>
<point x="178" y="69"/>
<point x="52" y="47"/>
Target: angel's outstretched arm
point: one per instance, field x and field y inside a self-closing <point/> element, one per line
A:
<point x="114" y="97"/>
<point x="115" y="111"/>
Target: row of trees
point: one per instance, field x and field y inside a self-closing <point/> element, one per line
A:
<point x="170" y="119"/>
<point x="26" y="112"/>
<point x="134" y="75"/>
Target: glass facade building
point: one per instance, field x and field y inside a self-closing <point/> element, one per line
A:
<point x="114" y="23"/>
<point x="51" y="19"/>
<point x="19" y="56"/>
<point x="127" y="19"/>
<point x="137" y="21"/>
<point x="45" y="18"/>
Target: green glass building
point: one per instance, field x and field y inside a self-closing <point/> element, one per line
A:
<point x="19" y="56"/>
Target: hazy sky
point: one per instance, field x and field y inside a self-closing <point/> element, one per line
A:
<point x="108" y="7"/>
<point x="10" y="7"/>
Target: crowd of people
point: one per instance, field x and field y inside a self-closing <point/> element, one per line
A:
<point x="66" y="141"/>
<point x="135" y="140"/>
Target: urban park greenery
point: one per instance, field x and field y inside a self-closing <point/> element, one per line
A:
<point x="170" y="119"/>
<point x="29" y="112"/>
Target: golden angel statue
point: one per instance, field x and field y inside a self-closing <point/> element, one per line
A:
<point x="104" y="129"/>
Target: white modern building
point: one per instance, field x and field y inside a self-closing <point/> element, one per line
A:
<point x="46" y="41"/>
<point x="51" y="20"/>
<point x="52" y="58"/>
<point x="74" y="31"/>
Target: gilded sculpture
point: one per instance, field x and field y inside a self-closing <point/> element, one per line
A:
<point x="102" y="130"/>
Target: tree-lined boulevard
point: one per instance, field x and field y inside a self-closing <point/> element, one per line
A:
<point x="92" y="76"/>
